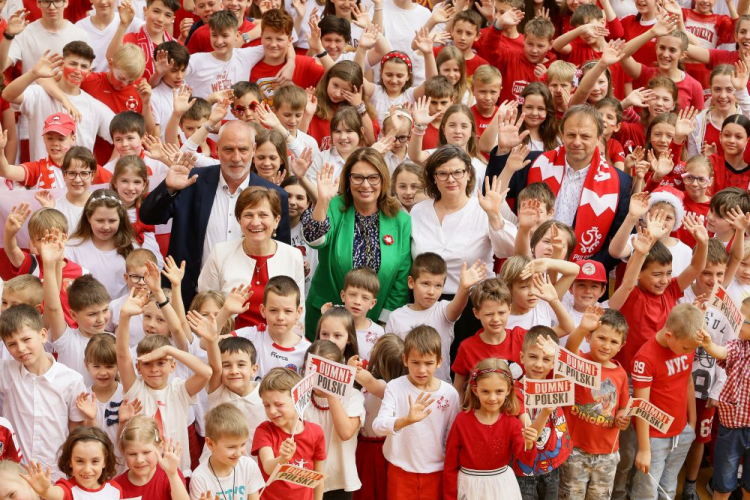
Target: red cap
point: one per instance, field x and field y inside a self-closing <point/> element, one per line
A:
<point x="61" y="123"/>
<point x="591" y="270"/>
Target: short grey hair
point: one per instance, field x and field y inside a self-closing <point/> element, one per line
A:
<point x="586" y="110"/>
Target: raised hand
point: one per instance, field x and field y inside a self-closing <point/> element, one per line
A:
<point x="203" y="327"/>
<point x="510" y="17"/>
<point x="422" y="40"/>
<point x="686" y="122"/>
<point x="129" y="409"/>
<point x="737" y="218"/>
<point x="17" y="22"/>
<point x="613" y="52"/>
<point x="178" y="175"/>
<point x="536" y="266"/>
<point x="299" y="165"/>
<point x="44" y="198"/>
<point x="369" y="37"/>
<point x="328" y="184"/>
<point x="543" y="289"/>
<point x="267" y="117"/>
<point x="559" y="243"/>
<point x="639" y="205"/>
<point x="169" y="458"/>
<point x="493" y="197"/>
<point x="656" y="223"/>
<point x="419" y="408"/>
<point x="640" y="169"/>
<point x="470" y="276"/>
<point x="52" y="248"/>
<point x="312" y="102"/>
<point x="361" y="17"/>
<point x="695" y="228"/>
<point x="640" y="97"/>
<point x="529" y="214"/>
<point x="595" y="30"/>
<point x="48" y="66"/>
<point x="741" y="75"/>
<point x="152" y="277"/>
<point x="162" y="352"/>
<point x="238" y="299"/>
<point x="708" y="149"/>
<point x="643" y="243"/>
<point x="546" y="345"/>
<point x="16" y="218"/>
<point x="421" y="112"/>
<point x="591" y="317"/>
<point x="38" y="478"/>
<point x="134" y="304"/>
<point x="219" y="111"/>
<point x="181" y="99"/>
<point x="144" y="91"/>
<point x="665" y="24"/>
<point x="517" y="157"/>
<point x="172" y="271"/>
<point x="508" y="130"/>
<point x="386" y="143"/>
<point x="87" y="405"/>
<point x="354" y="98"/>
<point x="127" y="12"/>
<point x="443" y="13"/>
<point x="162" y="64"/>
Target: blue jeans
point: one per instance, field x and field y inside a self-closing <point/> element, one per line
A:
<point x="731" y="446"/>
<point x="541" y="487"/>
<point x="667" y="457"/>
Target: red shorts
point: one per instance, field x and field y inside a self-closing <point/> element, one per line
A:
<point x="704" y="420"/>
<point x="372" y="468"/>
<point x="414" y="485"/>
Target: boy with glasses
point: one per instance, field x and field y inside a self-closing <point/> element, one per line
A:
<point x="28" y="42"/>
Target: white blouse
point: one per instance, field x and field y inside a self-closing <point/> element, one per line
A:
<point x="464" y="236"/>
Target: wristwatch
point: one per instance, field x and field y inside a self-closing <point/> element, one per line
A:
<point x="246" y="37"/>
<point x="162" y="305"/>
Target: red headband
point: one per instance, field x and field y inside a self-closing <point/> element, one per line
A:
<point x="396" y="55"/>
<point x="474" y="375"/>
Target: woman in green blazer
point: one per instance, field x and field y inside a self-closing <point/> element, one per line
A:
<point x="362" y="226"/>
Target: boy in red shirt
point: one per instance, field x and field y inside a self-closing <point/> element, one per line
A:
<point x="442" y="95"/>
<point x="159" y="16"/>
<point x="527" y="66"/>
<point x="486" y="86"/>
<point x="510" y="38"/>
<point x="464" y="33"/>
<point x="662" y="375"/>
<point x="276" y="37"/>
<point x="491" y="300"/>
<point x="595" y="420"/>
<point x="200" y="41"/>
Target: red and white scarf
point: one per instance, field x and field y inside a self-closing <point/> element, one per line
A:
<point x="599" y="197"/>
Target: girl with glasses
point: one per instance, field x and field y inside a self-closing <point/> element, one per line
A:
<point x="697" y="180"/>
<point x="357" y="222"/>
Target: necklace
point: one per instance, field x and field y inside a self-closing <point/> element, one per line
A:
<point x="221" y="488"/>
<point x="257" y="272"/>
<point x="318" y="406"/>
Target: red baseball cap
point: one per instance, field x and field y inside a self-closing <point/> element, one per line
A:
<point x="61" y="123"/>
<point x="591" y="270"/>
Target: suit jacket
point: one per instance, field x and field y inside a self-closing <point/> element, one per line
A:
<point x="520" y="180"/>
<point x="189" y="210"/>
<point x="335" y="253"/>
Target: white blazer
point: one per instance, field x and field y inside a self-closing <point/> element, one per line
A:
<point x="228" y="266"/>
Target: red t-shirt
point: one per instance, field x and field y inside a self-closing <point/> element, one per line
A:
<point x="157" y="488"/>
<point x="646" y="314"/>
<point x="74" y="12"/>
<point x="553" y="446"/>
<point x="9" y="449"/>
<point x="633" y="28"/>
<point x="320" y="130"/>
<point x="73" y="491"/>
<point x="631" y="135"/>
<point x="200" y="40"/>
<point x="482" y="122"/>
<point x="726" y="176"/>
<point x="143" y="40"/>
<point x="474" y="349"/>
<point x="591" y="420"/>
<point x="615" y="151"/>
<point x="471" y="64"/>
<point x="700" y="210"/>
<point x="311" y="447"/>
<point x="667" y="374"/>
<point x="502" y="42"/>
<point x="307" y="73"/>
<point x="689" y="91"/>
<point x="582" y="52"/>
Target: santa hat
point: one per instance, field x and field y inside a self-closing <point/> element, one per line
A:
<point x="672" y="196"/>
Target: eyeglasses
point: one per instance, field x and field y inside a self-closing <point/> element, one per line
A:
<point x="83" y="174"/>
<point x="46" y="3"/>
<point x="244" y="109"/>
<point x="136" y="278"/>
<point x="372" y="180"/>
<point x="402" y="138"/>
<point x="456" y="174"/>
<point x="690" y="179"/>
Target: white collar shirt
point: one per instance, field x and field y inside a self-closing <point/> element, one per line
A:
<point x="222" y="225"/>
<point x="569" y="196"/>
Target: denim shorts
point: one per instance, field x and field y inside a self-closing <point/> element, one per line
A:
<point x="731" y="446"/>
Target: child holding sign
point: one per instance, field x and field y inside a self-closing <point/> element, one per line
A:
<point x="733" y="441"/>
<point x="340" y="421"/>
<point x="662" y="376"/>
<point x="284" y="438"/>
<point x="539" y="478"/>
<point x="484" y="437"/>
<point x="416" y="433"/>
<point x="596" y="417"/>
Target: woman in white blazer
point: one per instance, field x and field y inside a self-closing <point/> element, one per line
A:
<point x="255" y="258"/>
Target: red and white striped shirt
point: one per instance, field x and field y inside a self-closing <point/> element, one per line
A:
<point x="734" y="400"/>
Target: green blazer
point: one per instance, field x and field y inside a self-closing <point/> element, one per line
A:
<point x="335" y="260"/>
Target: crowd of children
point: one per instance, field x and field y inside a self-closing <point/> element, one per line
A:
<point x="119" y="380"/>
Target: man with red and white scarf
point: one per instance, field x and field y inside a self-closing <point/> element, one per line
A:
<point x="592" y="196"/>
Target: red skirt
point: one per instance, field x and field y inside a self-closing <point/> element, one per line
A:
<point x="372" y="469"/>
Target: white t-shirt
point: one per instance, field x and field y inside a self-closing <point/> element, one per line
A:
<point x="100" y="38"/>
<point x="542" y="314"/>
<point x="341" y="464"/>
<point x="108" y="420"/>
<point x="136" y="322"/>
<point x="682" y="255"/>
<point x="71" y="212"/>
<point x="383" y="103"/>
<point x="398" y="27"/>
<point x="71" y="347"/>
<point x="245" y="478"/>
<point x="37" y="105"/>
<point x="738" y="291"/>
<point x="206" y="74"/>
<point x="569" y="304"/>
<point x="272" y="355"/>
<point x="372" y="407"/>
<point x="251" y="406"/>
<point x="404" y="319"/>
<point x="108" y="267"/>
<point x="366" y="339"/>
<point x="330" y="156"/>
<point x="30" y="45"/>
<point x="162" y="105"/>
<point x="418" y="447"/>
<point x="301" y="142"/>
<point x="173" y="403"/>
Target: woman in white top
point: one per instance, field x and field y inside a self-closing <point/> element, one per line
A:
<point x="458" y="226"/>
<point x="256" y="258"/>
